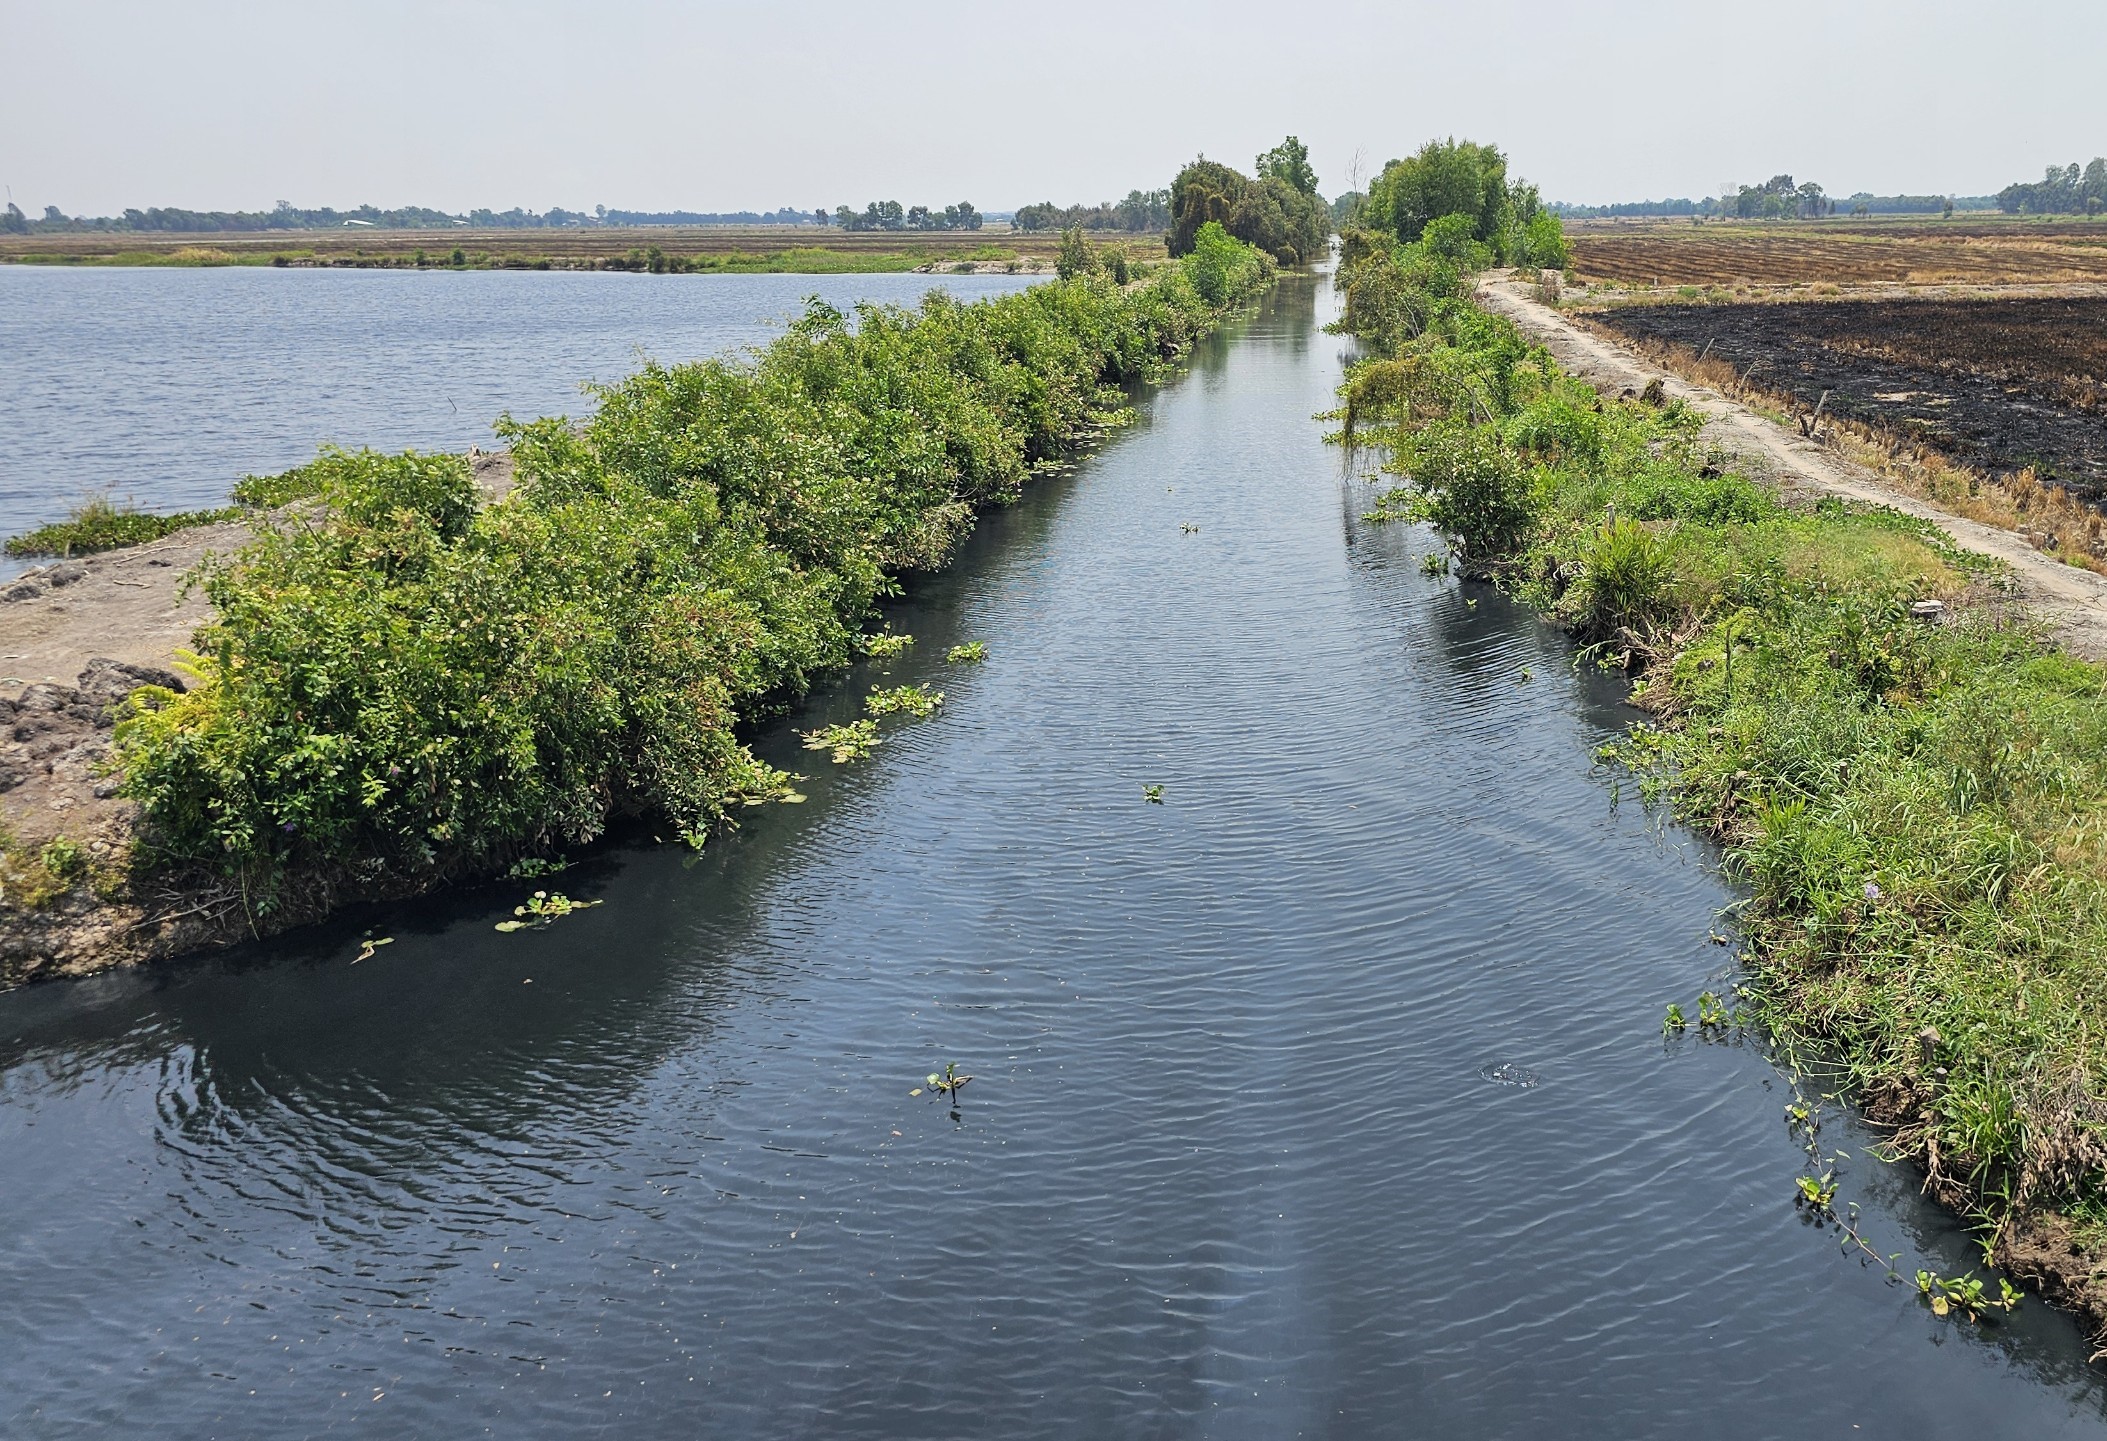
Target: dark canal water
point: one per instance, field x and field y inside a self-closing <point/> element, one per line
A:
<point x="165" y="386"/>
<point x="1238" y="1160"/>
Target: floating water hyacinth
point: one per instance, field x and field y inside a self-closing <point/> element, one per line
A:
<point x="886" y="644"/>
<point x="845" y="743"/>
<point x="971" y="653"/>
<point x="543" y="908"/>
<point x="917" y="701"/>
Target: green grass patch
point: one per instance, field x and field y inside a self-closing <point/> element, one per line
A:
<point x="99" y="524"/>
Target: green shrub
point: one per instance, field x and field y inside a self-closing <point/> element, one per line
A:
<point x="402" y="679"/>
<point x="1627" y="580"/>
<point x="1221" y="268"/>
<point x="64" y="858"/>
<point x="1074" y="259"/>
<point x="1476" y="489"/>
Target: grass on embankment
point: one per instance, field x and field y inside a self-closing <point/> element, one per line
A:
<point x="1919" y="811"/>
<point x="98" y="525"/>
<point x="404" y="684"/>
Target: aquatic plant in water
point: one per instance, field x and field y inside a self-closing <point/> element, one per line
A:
<point x="1152" y="794"/>
<point x="947" y="1084"/>
<point x="543" y="908"/>
<point x="845" y="743"/>
<point x="885" y="644"/>
<point x="973" y="652"/>
<point x="917" y="701"/>
<point x="1964" y="1295"/>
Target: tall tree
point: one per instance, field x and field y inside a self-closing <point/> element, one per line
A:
<point x="1289" y="161"/>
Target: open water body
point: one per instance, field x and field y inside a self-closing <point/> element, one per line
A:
<point x="165" y="386"/>
<point x="1327" y="1098"/>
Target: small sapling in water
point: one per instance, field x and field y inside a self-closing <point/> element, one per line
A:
<point x="1673" y="1021"/>
<point x="947" y="1084"/>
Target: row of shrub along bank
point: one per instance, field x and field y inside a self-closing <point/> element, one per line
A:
<point x="1919" y="811"/>
<point x="404" y="685"/>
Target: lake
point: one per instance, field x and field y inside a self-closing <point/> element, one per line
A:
<point x="165" y="386"/>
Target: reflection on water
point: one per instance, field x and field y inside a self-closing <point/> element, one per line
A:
<point x="1327" y="1098"/>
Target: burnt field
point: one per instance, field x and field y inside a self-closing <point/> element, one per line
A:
<point x="1842" y="252"/>
<point x="1999" y="385"/>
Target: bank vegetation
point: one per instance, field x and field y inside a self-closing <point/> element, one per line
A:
<point x="1908" y="778"/>
<point x="405" y="684"/>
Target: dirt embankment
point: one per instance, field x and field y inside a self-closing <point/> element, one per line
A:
<point x="2071" y="601"/>
<point x="76" y="638"/>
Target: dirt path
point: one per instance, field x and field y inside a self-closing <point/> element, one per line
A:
<point x="2073" y="602"/>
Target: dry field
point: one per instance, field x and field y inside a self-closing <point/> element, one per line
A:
<point x="2001" y="386"/>
<point x="1972" y="251"/>
<point x="581" y="246"/>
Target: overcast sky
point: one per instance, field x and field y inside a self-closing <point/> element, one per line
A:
<point x="659" y="104"/>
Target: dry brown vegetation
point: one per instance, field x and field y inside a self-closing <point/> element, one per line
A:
<point x="1974" y="251"/>
<point x="558" y="245"/>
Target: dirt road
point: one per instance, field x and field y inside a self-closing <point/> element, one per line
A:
<point x="2073" y="602"/>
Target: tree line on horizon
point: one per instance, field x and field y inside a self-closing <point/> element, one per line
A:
<point x="891" y="215"/>
<point x="1142" y="211"/>
<point x="2060" y="191"/>
<point x="286" y="216"/>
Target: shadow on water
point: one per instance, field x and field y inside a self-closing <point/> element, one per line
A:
<point x="1327" y="1097"/>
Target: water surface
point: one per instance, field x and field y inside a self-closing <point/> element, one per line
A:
<point x="164" y="386"/>
<point x="1327" y="1098"/>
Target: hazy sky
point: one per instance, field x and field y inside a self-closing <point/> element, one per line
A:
<point x="658" y="104"/>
